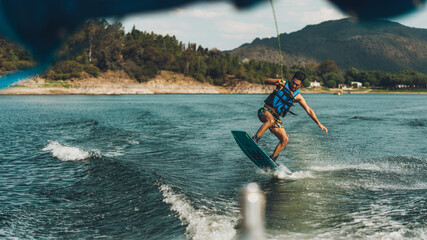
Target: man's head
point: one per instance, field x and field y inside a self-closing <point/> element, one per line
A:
<point x="297" y="80"/>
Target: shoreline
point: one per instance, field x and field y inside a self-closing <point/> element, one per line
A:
<point x="118" y="83"/>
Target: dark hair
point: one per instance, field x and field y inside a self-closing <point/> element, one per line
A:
<point x="299" y="75"/>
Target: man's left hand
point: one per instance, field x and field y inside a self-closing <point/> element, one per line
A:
<point x="323" y="128"/>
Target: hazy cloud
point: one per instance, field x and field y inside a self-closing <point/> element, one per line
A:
<point x="323" y="14"/>
<point x="206" y="14"/>
<point x="198" y="13"/>
<point x="416" y="19"/>
<point x="230" y="26"/>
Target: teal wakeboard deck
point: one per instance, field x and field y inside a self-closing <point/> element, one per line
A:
<point x="255" y="153"/>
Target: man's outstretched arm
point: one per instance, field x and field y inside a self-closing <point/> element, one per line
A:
<point x="310" y="112"/>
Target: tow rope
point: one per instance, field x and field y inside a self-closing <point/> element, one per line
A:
<point x="278" y="43"/>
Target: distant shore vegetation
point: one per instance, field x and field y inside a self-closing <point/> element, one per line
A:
<point x="99" y="46"/>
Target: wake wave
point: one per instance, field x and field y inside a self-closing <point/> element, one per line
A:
<point x="393" y="172"/>
<point x="391" y="164"/>
<point x="201" y="224"/>
<point x="66" y="153"/>
<point x="401" y="232"/>
<point x="330" y="168"/>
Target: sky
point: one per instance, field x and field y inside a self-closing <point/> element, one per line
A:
<point x="221" y="25"/>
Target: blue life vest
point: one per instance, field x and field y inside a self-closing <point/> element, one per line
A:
<point x="282" y="100"/>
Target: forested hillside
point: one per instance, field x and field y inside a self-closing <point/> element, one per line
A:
<point x="373" y="45"/>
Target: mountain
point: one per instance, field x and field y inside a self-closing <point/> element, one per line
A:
<point x="370" y="45"/>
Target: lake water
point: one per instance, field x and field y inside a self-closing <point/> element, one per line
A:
<point x="167" y="167"/>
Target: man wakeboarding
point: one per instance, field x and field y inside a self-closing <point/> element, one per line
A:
<point x="277" y="105"/>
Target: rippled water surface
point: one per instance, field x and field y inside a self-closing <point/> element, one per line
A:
<point x="167" y="167"/>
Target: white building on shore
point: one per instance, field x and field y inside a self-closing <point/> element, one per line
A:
<point x="314" y="84"/>
<point x="344" y="87"/>
<point x="358" y="84"/>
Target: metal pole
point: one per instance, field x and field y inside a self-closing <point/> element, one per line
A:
<point x="253" y="213"/>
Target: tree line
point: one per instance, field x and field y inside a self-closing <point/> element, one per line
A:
<point x="329" y="75"/>
<point x="99" y="46"/>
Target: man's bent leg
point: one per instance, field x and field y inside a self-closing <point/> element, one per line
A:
<point x="280" y="133"/>
<point x="268" y="120"/>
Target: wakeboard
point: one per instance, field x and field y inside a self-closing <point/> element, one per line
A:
<point x="256" y="154"/>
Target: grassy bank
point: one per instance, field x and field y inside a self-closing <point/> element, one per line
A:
<point x="364" y="91"/>
<point x="402" y="91"/>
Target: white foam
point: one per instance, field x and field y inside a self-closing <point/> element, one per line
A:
<point x="117" y="152"/>
<point x="301" y="175"/>
<point x="120" y="150"/>
<point x="287" y="174"/>
<point x="275" y="173"/>
<point x="9" y="232"/>
<point x="353" y="232"/>
<point x="376" y="223"/>
<point x="114" y="154"/>
<point x="377" y="167"/>
<point x="66" y="153"/>
<point x="201" y="224"/>
<point x="328" y="168"/>
<point x="132" y="142"/>
<point x="373" y="182"/>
